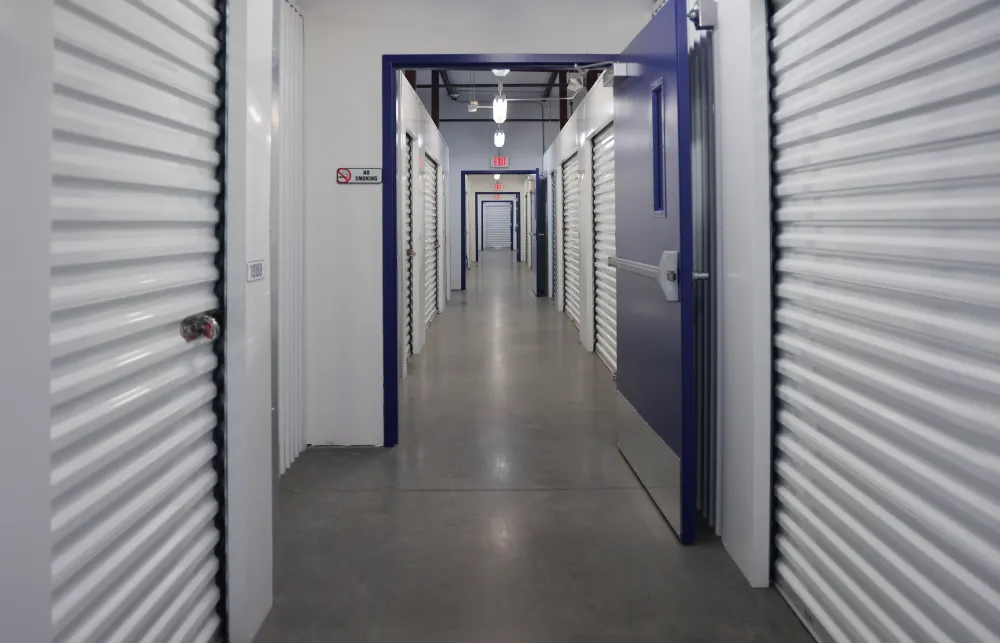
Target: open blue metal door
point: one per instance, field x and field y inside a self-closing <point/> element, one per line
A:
<point x="539" y="241"/>
<point x="656" y="379"/>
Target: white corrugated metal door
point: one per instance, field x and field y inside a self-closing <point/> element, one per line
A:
<point x="571" y="237"/>
<point x="605" y="277"/>
<point x="553" y="242"/>
<point x="408" y="248"/>
<point x="431" y="244"/>
<point x="288" y="278"/>
<point x="135" y="437"/>
<point x="496" y="224"/>
<point x="887" y="320"/>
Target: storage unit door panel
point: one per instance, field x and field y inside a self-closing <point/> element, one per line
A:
<point x="605" y="277"/>
<point x="496" y="224"/>
<point x="430" y="241"/>
<point x="571" y="237"/>
<point x="290" y="269"/>
<point x="887" y="296"/>
<point x="408" y="248"/>
<point x="554" y="219"/>
<point x="134" y="252"/>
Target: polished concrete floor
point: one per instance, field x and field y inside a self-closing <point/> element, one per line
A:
<point x="506" y="514"/>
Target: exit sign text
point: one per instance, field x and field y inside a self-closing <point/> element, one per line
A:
<point x="499" y="161"/>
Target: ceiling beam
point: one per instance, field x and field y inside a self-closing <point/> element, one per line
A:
<point x="436" y="97"/>
<point x="549" y="85"/>
<point x="448" y="85"/>
<point x="563" y="103"/>
<point x="486" y="87"/>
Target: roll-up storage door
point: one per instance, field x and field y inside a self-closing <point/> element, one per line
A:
<point x="135" y="453"/>
<point x="605" y="277"/>
<point x="496" y="224"/>
<point x="430" y="240"/>
<point x="408" y="247"/>
<point x="887" y="295"/>
<point x="571" y="237"/>
<point x="553" y="241"/>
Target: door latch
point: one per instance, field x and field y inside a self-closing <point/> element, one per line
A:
<point x="200" y="325"/>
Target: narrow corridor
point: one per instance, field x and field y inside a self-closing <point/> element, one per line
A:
<point x="506" y="514"/>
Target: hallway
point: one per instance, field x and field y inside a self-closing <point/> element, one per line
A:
<point x="506" y="513"/>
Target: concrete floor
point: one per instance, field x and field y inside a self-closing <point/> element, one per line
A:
<point x="506" y="514"/>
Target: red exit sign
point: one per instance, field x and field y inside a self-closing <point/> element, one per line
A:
<point x="499" y="161"/>
<point x="497" y="187"/>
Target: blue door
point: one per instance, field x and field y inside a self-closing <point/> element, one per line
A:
<point x="538" y="241"/>
<point x="654" y="245"/>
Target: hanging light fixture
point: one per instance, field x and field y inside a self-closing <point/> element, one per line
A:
<point x="499" y="110"/>
<point x="500" y="73"/>
<point x="499" y="137"/>
<point x="496" y="177"/>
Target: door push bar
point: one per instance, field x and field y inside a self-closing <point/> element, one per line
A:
<point x="664" y="274"/>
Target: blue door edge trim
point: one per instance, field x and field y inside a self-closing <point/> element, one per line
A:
<point x="689" y="457"/>
<point x="390" y="282"/>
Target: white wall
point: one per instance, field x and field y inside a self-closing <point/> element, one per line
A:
<point x="592" y="116"/>
<point x="744" y="284"/>
<point x="248" y="331"/>
<point x="26" y="44"/>
<point x="344" y="47"/>
<point x="415" y="121"/>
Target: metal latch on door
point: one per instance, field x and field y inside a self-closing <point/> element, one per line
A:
<point x="665" y="273"/>
<point x="200" y="325"/>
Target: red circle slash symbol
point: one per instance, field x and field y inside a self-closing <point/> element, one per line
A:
<point x="343" y="175"/>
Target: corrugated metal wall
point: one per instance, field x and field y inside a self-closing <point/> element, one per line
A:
<point x="135" y="251"/>
<point x="700" y="61"/>
<point x="431" y="244"/>
<point x="605" y="276"/>
<point x="571" y="237"/>
<point x="496" y="224"/>
<point x="408" y="248"/>
<point x="887" y="320"/>
<point x="288" y="277"/>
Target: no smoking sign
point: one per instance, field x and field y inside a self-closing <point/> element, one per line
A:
<point x="359" y="175"/>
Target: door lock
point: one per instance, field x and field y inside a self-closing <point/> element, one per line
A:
<point x="200" y="325"/>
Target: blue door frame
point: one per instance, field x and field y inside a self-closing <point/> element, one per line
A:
<point x="465" y="173"/>
<point x="515" y="216"/>
<point x="391" y="64"/>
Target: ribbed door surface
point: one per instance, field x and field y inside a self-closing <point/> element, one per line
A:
<point x="430" y="241"/>
<point x="290" y="269"/>
<point x="571" y="237"/>
<point x="553" y="240"/>
<point x="605" y="277"/>
<point x="887" y="320"/>
<point x="134" y="252"/>
<point x="408" y="250"/>
<point x="496" y="224"/>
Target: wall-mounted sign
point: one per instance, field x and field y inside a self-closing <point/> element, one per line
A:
<point x="355" y="175"/>
<point x="497" y="197"/>
<point x="255" y="270"/>
<point x="497" y="187"/>
<point x="499" y="161"/>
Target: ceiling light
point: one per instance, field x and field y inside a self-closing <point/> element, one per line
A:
<point x="496" y="177"/>
<point x="500" y="73"/>
<point x="499" y="109"/>
<point x="499" y="137"/>
<point x="473" y="105"/>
